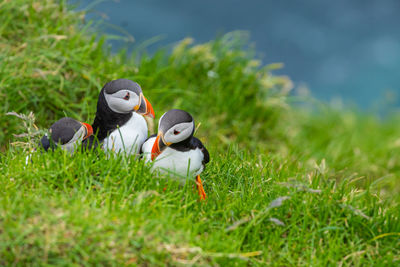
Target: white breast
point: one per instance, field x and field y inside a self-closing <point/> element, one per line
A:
<point x="129" y="137"/>
<point x="175" y="162"/>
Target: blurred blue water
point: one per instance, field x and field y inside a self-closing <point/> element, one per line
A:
<point x="340" y="48"/>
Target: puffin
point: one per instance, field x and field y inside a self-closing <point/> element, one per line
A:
<point x="119" y="125"/>
<point x="175" y="150"/>
<point x="66" y="133"/>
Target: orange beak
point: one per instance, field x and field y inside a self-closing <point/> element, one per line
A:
<point x="200" y="188"/>
<point x="157" y="147"/>
<point x="89" y="129"/>
<point x="149" y="109"/>
<point x="144" y="107"/>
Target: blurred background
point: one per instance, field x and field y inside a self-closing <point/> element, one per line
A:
<point x="345" y="49"/>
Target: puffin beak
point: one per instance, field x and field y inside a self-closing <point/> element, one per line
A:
<point x="145" y="108"/>
<point x="200" y="188"/>
<point x="89" y="130"/>
<point x="158" y="146"/>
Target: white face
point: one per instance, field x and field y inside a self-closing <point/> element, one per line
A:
<point x="75" y="141"/>
<point x="179" y="132"/>
<point x="123" y="101"/>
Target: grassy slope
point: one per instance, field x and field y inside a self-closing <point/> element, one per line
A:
<point x="337" y="172"/>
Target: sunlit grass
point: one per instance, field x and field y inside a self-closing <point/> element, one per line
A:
<point x="87" y="207"/>
<point x="285" y="186"/>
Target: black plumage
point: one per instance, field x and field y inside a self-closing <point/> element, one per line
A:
<point x="61" y="132"/>
<point x="106" y="120"/>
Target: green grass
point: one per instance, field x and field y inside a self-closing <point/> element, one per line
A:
<point x="285" y="186"/>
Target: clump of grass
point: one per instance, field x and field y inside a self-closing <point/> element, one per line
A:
<point x="223" y="86"/>
<point x="32" y="132"/>
<point x="352" y="144"/>
<point x="87" y="208"/>
<point x="284" y="186"/>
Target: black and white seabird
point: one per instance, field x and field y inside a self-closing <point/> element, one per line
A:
<point x="66" y="133"/>
<point x="175" y="150"/>
<point x="119" y="124"/>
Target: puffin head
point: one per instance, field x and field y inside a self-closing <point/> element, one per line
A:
<point x="175" y="126"/>
<point x="125" y="96"/>
<point x="65" y="133"/>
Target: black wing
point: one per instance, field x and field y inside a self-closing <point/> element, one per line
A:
<point x="196" y="143"/>
<point x="190" y="144"/>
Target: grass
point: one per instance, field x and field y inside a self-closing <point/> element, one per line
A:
<point x="286" y="186"/>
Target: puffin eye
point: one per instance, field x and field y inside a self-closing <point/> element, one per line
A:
<point x="176" y="132"/>
<point x="127" y="96"/>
